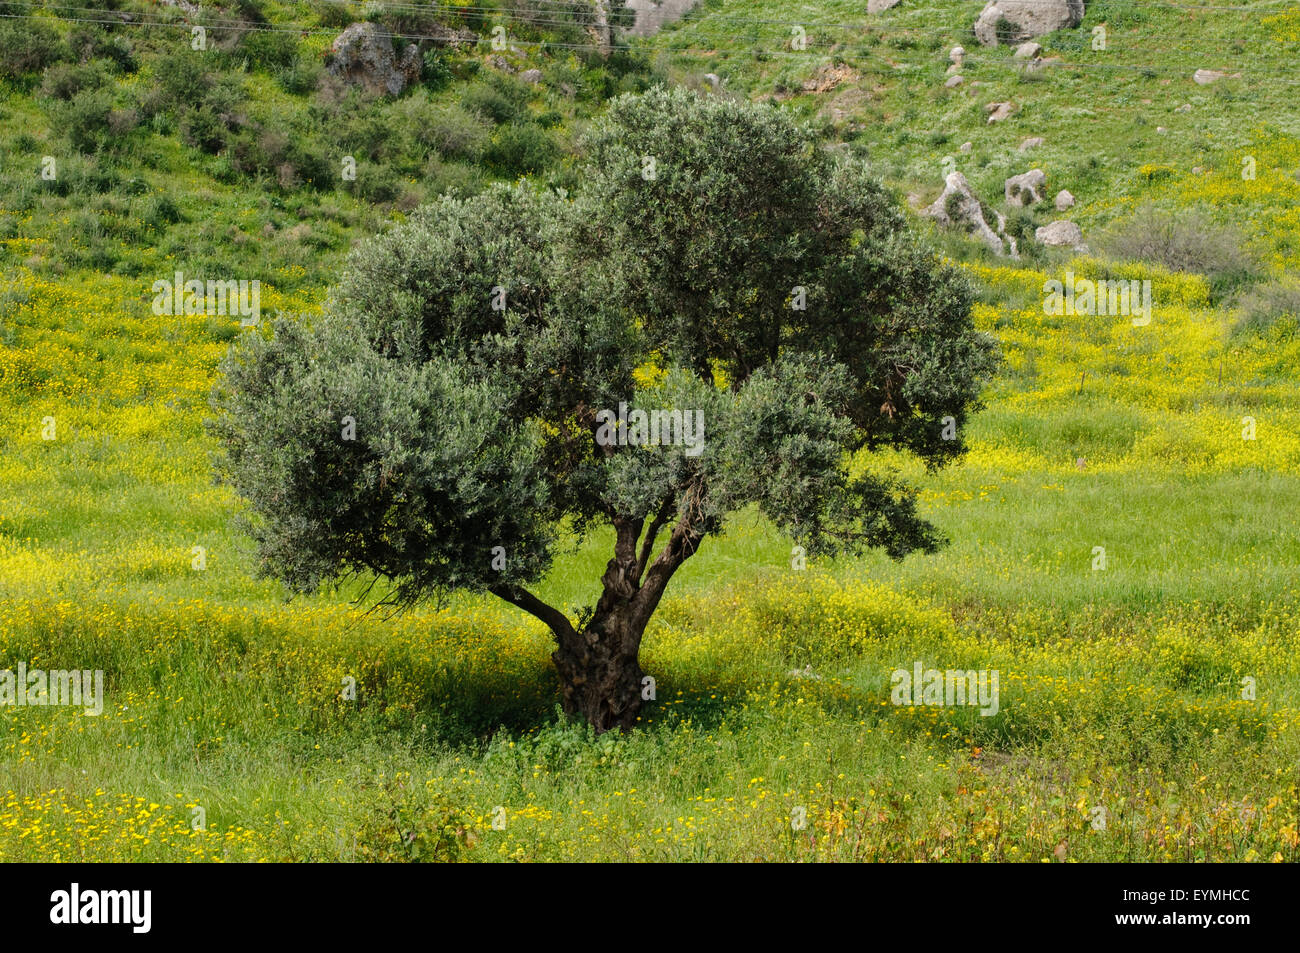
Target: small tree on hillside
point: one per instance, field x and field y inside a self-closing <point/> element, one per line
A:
<point x="455" y="412"/>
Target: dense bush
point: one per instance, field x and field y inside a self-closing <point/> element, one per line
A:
<point x="182" y="79"/>
<point x="299" y="77"/>
<point x="203" y="129"/>
<point x="332" y="14"/>
<point x="377" y="135"/>
<point x="269" y="49"/>
<point x="455" y="133"/>
<point x="159" y="211"/>
<point x="498" y="99"/>
<point x="442" y="177"/>
<point x="91" y="41"/>
<point x="65" y="80"/>
<point x="520" y="149"/>
<point x="436" y="74"/>
<point x="207" y="121"/>
<point x="375" y="183"/>
<point x="27" y="46"/>
<point x="84" y="119"/>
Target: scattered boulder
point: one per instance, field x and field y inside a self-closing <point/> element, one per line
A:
<point x="501" y="64"/>
<point x="1184" y="108"/>
<point x="714" y="80"/>
<point x="1034" y="66"/>
<point x="362" y="55"/>
<point x="958" y="207"/>
<point x="956" y="55"/>
<point x="1204" y="77"/>
<point x="1028" y="19"/>
<point x="954" y="81"/>
<point x="533" y="76"/>
<point x="1197" y="170"/>
<point x="998" y="111"/>
<point x="1028" y="50"/>
<point x="1064" y="200"/>
<point x="1033" y="142"/>
<point x="966" y="146"/>
<point x="650" y="17"/>
<point x="880" y="6"/>
<point x="1061" y="234"/>
<point x="1025" y="189"/>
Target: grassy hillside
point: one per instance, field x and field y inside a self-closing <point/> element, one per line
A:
<point x="1121" y="688"/>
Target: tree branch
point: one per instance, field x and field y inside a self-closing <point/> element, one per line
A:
<point x="681" y="545"/>
<point x="555" y="620"/>
<point x="647" y="544"/>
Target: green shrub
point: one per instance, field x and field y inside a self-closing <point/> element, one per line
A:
<point x="497" y="99"/>
<point x="160" y="211"/>
<point x="332" y="14"/>
<point x="65" y="80"/>
<point x="269" y="50"/>
<point x="90" y="42"/>
<point x="442" y="177"/>
<point x="84" y="119"/>
<point x="436" y="74"/>
<point x="1006" y="31"/>
<point x="455" y="133"/>
<point x="203" y="129"/>
<point x="182" y="79"/>
<point x="1021" y="223"/>
<point x="299" y="77"/>
<point x="521" y="149"/>
<point x="28" y="46"/>
<point x="375" y="183"/>
<point x="409" y="823"/>
<point x="377" y="135"/>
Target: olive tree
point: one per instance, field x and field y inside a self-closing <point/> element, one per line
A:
<point x="722" y="316"/>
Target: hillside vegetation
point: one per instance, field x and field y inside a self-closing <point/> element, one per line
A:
<point x="1123" y="688"/>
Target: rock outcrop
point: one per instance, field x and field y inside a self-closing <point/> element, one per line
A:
<point x="958" y="207"/>
<point x="1026" y="189"/>
<point x="1061" y="234"/>
<point x="999" y="111"/>
<point x="362" y="55"/>
<point x="1026" y="19"/>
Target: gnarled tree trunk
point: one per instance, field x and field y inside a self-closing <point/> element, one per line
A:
<point x="600" y="674"/>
